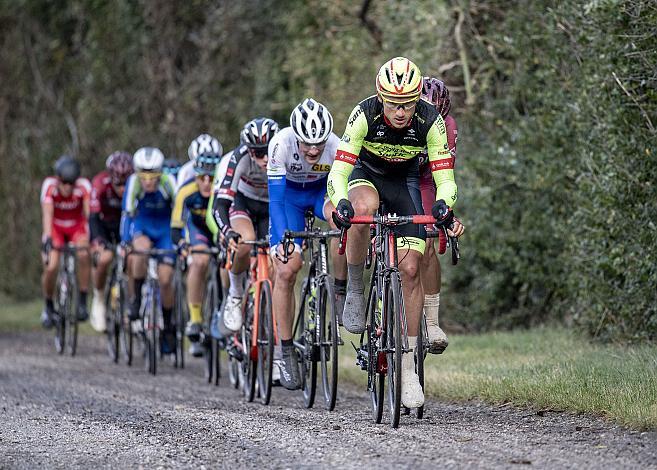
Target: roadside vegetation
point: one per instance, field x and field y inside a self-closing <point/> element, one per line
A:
<point x="551" y="369"/>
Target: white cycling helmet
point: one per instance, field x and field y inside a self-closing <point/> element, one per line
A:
<point x="206" y="145"/>
<point x="148" y="159"/>
<point x="311" y="122"/>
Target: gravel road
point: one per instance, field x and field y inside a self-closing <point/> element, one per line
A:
<point x="85" y="412"/>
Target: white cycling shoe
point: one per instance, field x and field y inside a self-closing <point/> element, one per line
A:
<point x="98" y="321"/>
<point x="233" y="313"/>
<point x="412" y="393"/>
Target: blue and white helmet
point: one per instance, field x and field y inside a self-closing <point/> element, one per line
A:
<point x="148" y="159"/>
<point x="205" y="144"/>
<point x="311" y="122"/>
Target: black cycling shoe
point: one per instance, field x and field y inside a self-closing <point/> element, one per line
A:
<point x="133" y="311"/>
<point x="193" y="331"/>
<point x="289" y="368"/>
<point x="167" y="341"/>
<point x="83" y="314"/>
<point x="48" y="318"/>
<point x="196" y="349"/>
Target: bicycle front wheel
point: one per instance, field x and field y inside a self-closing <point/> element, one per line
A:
<point x="113" y="320"/>
<point x="266" y="341"/>
<point x="60" y="307"/>
<point x="249" y="365"/>
<point x="127" y="335"/>
<point x="376" y="361"/>
<point x="180" y="319"/>
<point x="328" y="340"/>
<point x="209" y="343"/>
<point x="420" y="354"/>
<point x="393" y="314"/>
<point x="71" y="318"/>
<point x="307" y="345"/>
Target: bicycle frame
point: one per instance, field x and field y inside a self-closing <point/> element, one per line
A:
<point x="259" y="270"/>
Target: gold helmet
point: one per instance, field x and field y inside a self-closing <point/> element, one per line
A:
<point x="399" y="80"/>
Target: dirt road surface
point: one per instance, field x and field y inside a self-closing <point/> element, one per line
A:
<point x="86" y="412"/>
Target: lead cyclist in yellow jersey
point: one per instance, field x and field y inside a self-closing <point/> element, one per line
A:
<point x="377" y="161"/>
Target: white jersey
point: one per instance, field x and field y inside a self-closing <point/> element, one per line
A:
<point x="237" y="172"/>
<point x="286" y="161"/>
<point x="185" y="173"/>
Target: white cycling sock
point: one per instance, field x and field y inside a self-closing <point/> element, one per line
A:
<point x="408" y="359"/>
<point x="431" y="308"/>
<point x="236" y="288"/>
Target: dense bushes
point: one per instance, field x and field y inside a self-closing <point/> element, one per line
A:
<point x="556" y="104"/>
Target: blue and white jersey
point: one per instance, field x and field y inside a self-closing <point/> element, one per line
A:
<point x="154" y="207"/>
<point x="295" y="184"/>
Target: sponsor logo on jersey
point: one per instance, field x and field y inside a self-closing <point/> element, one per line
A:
<point x="320" y="167"/>
<point x="346" y="138"/>
<point x="274" y="152"/>
<point x="230" y="172"/>
<point x="296" y="167"/>
<point x="295" y="156"/>
<point x="411" y="131"/>
<point x="355" y="116"/>
<point x="380" y="133"/>
<point x="445" y="164"/>
<point x="67" y="205"/>
<point x="440" y="124"/>
<point x="346" y="157"/>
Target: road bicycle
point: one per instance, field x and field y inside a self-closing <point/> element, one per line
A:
<point x="67" y="300"/>
<point x="253" y="345"/>
<point x="385" y="338"/>
<point x="115" y="306"/>
<point x="212" y="300"/>
<point x="150" y="312"/>
<point x="316" y="332"/>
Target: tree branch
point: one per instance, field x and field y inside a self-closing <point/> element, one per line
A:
<point x="49" y="95"/>
<point x="369" y="24"/>
<point x="636" y="102"/>
<point x="467" y="83"/>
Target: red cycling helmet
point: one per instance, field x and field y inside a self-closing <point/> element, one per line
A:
<point x="435" y="92"/>
<point x="119" y="166"/>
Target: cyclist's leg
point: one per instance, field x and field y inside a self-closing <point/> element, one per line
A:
<point x="240" y="221"/>
<point x="137" y="265"/>
<point x="339" y="261"/>
<point x="431" y="273"/>
<point x="365" y="199"/>
<point x="48" y="280"/>
<point x="196" y="274"/>
<point x="104" y="259"/>
<point x="80" y="237"/>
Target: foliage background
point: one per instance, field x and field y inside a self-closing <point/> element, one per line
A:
<point x="556" y="103"/>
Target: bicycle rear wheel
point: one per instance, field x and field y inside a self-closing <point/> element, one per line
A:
<point x="420" y="354"/>
<point x="328" y="340"/>
<point x="393" y="314"/>
<point x="376" y="359"/>
<point x="266" y="341"/>
<point x="151" y="331"/>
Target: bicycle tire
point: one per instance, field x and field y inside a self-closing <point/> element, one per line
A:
<point x="306" y="336"/>
<point x="72" y="315"/>
<point x="208" y="343"/>
<point x="111" y="321"/>
<point x="393" y="315"/>
<point x="266" y="339"/>
<point x="60" y="323"/>
<point x="179" y="316"/>
<point x="420" y="354"/>
<point x="233" y="372"/>
<point x="328" y="340"/>
<point x="376" y="378"/>
<point x="249" y="364"/>
<point x="127" y="335"/>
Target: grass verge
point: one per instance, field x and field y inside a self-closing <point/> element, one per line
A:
<point x="546" y="368"/>
<point x="26" y="316"/>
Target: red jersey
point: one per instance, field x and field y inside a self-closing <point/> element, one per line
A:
<point x="104" y="200"/>
<point x="69" y="211"/>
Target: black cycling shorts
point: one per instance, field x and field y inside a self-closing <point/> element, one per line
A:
<point x="254" y="210"/>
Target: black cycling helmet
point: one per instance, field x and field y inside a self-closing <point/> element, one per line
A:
<point x="67" y="169"/>
<point x="257" y="133"/>
<point x="171" y="166"/>
<point x="205" y="164"/>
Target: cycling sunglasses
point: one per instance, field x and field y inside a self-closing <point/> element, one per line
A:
<point x="149" y="175"/>
<point x="395" y="106"/>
